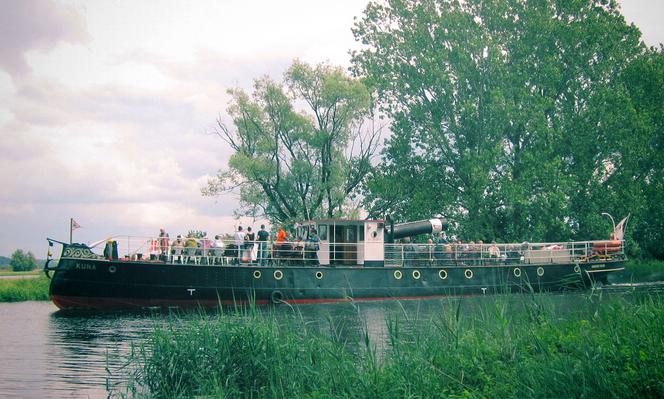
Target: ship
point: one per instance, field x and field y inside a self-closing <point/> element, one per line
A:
<point x="350" y="260"/>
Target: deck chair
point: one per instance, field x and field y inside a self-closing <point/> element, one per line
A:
<point x="191" y="253"/>
<point x="177" y="254"/>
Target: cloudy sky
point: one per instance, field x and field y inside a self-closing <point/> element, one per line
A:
<point x="106" y="107"/>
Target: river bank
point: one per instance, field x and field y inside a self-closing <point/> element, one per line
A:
<point x="26" y="288"/>
<point x="509" y="346"/>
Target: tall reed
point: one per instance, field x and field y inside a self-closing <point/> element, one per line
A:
<point x="500" y="348"/>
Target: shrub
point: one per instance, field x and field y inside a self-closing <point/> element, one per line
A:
<point x="21" y="261"/>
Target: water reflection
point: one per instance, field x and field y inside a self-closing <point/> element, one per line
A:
<point x="90" y="350"/>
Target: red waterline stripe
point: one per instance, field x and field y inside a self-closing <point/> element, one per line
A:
<point x="70" y="302"/>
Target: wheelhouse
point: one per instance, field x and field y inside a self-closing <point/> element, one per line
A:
<point x="347" y="242"/>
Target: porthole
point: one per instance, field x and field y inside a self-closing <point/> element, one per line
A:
<point x="577" y="269"/>
<point x="540" y="271"/>
<point x="278" y="275"/>
<point x="257" y="274"/>
<point x="112" y="269"/>
<point x="468" y="273"/>
<point x="398" y="274"/>
<point x="416" y="274"/>
<point x="442" y="274"/>
<point x="319" y="275"/>
<point x="517" y="272"/>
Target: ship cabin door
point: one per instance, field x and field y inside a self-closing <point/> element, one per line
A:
<point x="344" y="242"/>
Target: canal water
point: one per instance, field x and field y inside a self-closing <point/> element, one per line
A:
<point x="45" y="353"/>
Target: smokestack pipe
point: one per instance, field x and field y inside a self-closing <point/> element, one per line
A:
<point x="414" y="228"/>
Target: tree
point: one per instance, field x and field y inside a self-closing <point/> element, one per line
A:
<point x="636" y="184"/>
<point x="291" y="164"/>
<point x="21" y="261"/>
<point x="504" y="111"/>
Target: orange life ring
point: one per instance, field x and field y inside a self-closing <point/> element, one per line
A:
<point x="605" y="244"/>
<point x="607" y="250"/>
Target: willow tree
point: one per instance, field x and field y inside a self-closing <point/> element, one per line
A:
<point x="300" y="147"/>
<point x="505" y="111"/>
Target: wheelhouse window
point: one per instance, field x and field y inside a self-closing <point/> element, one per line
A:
<point x="322" y="231"/>
<point x="351" y="234"/>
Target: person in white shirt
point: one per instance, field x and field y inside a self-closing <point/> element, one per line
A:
<point x="217" y="249"/>
<point x="239" y="243"/>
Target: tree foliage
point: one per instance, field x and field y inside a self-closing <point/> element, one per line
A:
<point x="21" y="261"/>
<point x="517" y="119"/>
<point x="290" y="164"/>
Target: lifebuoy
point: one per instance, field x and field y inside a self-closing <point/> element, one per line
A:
<point x="607" y="249"/>
<point x="608" y="244"/>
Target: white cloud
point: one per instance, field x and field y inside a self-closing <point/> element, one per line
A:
<point x="29" y="25"/>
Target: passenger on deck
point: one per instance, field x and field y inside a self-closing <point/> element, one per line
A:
<point x="409" y="252"/>
<point x="297" y="249"/>
<point x="178" y="242"/>
<point x="218" y="242"/>
<point x="154" y="249"/>
<point x="313" y="245"/>
<point x="217" y="250"/>
<point x="206" y="245"/>
<point x="249" y="239"/>
<point x="282" y="244"/>
<point x="163" y="243"/>
<point x="263" y="237"/>
<point x="177" y="247"/>
<point x="494" y="252"/>
<point x="239" y="243"/>
<point x="281" y="235"/>
<point x="190" y="242"/>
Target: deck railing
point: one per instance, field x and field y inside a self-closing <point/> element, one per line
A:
<point x="487" y="254"/>
<point x="222" y="252"/>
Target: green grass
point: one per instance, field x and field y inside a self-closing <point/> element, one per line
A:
<point x="506" y="347"/>
<point x="24" y="289"/>
<point x="9" y="272"/>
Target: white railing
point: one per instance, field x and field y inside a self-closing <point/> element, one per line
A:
<point x="221" y="252"/>
<point x="205" y="251"/>
<point x="471" y="254"/>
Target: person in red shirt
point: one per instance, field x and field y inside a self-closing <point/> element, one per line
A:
<point x="282" y="246"/>
<point x="281" y="235"/>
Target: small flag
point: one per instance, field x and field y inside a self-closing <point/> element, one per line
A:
<point x="75" y="225"/>
<point x="619" y="232"/>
